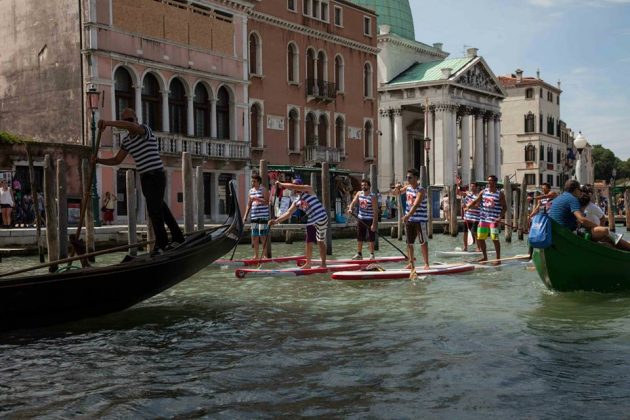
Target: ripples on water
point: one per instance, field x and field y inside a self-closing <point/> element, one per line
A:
<point x="492" y="343"/>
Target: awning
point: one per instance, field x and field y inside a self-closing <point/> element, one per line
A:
<point x="293" y="169"/>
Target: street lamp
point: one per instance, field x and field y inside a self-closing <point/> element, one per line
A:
<point x="93" y="97"/>
<point x="579" y="143"/>
<point x="427" y="148"/>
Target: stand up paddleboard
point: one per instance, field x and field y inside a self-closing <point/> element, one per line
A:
<point x="241" y="273"/>
<point x="250" y="261"/>
<point x="402" y="273"/>
<point x="454" y="254"/>
<point x="379" y="260"/>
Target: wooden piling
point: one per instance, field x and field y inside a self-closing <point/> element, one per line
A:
<point x="288" y="236"/>
<point x="626" y="203"/>
<point x="452" y="200"/>
<point x="516" y="204"/>
<point x="429" y="213"/>
<point x="264" y="174"/>
<point x="611" y="210"/>
<point x="132" y="235"/>
<point x="90" y="240"/>
<point x="524" y="215"/>
<point x="62" y="208"/>
<point x="35" y="195"/>
<point x="199" y="198"/>
<point x="187" y="183"/>
<point x="52" y="231"/>
<point x="508" y="211"/>
<point x="326" y="203"/>
<point x="377" y="211"/>
<point x="314" y="182"/>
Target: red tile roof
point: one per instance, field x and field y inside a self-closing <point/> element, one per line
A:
<point x="511" y="82"/>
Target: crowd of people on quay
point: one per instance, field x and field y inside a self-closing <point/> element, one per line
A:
<point x="18" y="205"/>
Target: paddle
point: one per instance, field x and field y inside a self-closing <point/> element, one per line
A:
<point x="516" y="257"/>
<point x="382" y="237"/>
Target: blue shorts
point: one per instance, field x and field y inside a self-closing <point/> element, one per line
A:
<point x="259" y="228"/>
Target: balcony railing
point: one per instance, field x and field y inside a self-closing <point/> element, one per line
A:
<point x="315" y="153"/>
<point x="170" y="144"/>
<point x="321" y="89"/>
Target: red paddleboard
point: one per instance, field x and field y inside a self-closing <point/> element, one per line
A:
<point x="402" y="273"/>
<point x="250" y="261"/>
<point x="381" y="260"/>
<point x="293" y="272"/>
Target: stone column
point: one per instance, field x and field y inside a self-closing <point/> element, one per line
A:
<point x="491" y="157"/>
<point x="213" y="118"/>
<point x="431" y="131"/>
<point x="165" y="122"/>
<point x="138" y="103"/>
<point x="445" y="146"/>
<point x="479" y="146"/>
<point x="497" y="143"/>
<point x="399" y="147"/>
<point x="190" y="114"/>
<point x="385" y="154"/>
<point x="466" y="175"/>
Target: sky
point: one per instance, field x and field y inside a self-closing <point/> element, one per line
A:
<point x="583" y="43"/>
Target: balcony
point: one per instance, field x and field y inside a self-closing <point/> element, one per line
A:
<point x="321" y="90"/>
<point x="175" y="144"/>
<point x="318" y="154"/>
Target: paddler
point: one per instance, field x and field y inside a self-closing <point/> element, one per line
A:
<point x="366" y="226"/>
<point x="492" y="209"/>
<point x="258" y="210"/>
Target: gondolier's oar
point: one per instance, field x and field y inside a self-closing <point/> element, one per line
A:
<point x="382" y="237"/>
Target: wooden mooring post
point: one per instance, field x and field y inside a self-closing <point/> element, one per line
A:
<point x="52" y="231"/>
<point x="38" y="216"/>
<point x="453" y="207"/>
<point x="199" y="198"/>
<point x="326" y="204"/>
<point x="611" y="209"/>
<point x="62" y="208"/>
<point x="523" y="219"/>
<point x="90" y="242"/>
<point x="132" y="235"/>
<point x="187" y="182"/>
<point x="626" y="202"/>
<point x="508" y="211"/>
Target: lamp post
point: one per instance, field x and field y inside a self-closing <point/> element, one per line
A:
<point x="93" y="97"/>
<point x="427" y="148"/>
<point x="579" y="143"/>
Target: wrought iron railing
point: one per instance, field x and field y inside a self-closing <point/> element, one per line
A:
<point x="321" y="89"/>
<point x="315" y="153"/>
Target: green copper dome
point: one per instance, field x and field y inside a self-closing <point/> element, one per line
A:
<point x="395" y="13"/>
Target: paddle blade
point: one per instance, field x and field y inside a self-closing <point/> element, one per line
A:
<point x="471" y="239"/>
<point x="412" y="274"/>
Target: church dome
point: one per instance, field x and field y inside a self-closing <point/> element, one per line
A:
<point x="395" y="13"/>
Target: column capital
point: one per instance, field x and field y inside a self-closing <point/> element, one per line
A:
<point x="385" y="112"/>
<point x="396" y="112"/>
<point x="445" y="107"/>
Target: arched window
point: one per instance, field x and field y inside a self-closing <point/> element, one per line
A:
<point x="368" y="137"/>
<point x="339" y="76"/>
<point x="255" y="54"/>
<point x="530" y="122"/>
<point x="322" y="66"/>
<point x="294" y="131"/>
<point x="223" y="114"/>
<point x="367" y="80"/>
<point x="256" y="121"/>
<point x="310" y="71"/>
<point x="322" y="131"/>
<point x="123" y="91"/>
<point x="530" y="153"/>
<point x="292" y="63"/>
<point x="340" y="138"/>
<point x="177" y="107"/>
<point x="202" y="112"/>
<point x="151" y="102"/>
<point x="310" y="129"/>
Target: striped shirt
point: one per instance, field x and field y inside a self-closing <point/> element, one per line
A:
<point x="366" y="211"/>
<point x="144" y="150"/>
<point x="421" y="214"/>
<point x="312" y="207"/>
<point x="472" y="214"/>
<point x="259" y="210"/>
<point x="490" y="205"/>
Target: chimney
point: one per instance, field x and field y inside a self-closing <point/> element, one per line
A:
<point x="384" y="29"/>
<point x="538" y="74"/>
<point x="446" y="72"/>
<point x="472" y="52"/>
<point x="559" y="84"/>
<point x="438" y="45"/>
<point x="519" y="75"/>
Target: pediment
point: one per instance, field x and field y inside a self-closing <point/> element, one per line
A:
<point x="478" y="76"/>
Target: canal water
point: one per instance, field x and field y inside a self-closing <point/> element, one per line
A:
<point x="493" y="343"/>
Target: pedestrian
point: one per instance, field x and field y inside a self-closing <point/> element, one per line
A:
<point x="258" y="211"/>
<point x="492" y="209"/>
<point x="6" y="203"/>
<point x="366" y="226"/>
<point x="317" y="224"/>
<point x="416" y="216"/>
<point x="141" y="143"/>
<point x="107" y="208"/>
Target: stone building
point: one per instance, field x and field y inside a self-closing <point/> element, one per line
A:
<point x="455" y="102"/>
<point x="181" y="65"/>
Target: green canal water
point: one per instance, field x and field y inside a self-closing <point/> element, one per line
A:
<point x="493" y="343"/>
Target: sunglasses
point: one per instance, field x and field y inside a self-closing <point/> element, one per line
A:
<point x="130" y="119"/>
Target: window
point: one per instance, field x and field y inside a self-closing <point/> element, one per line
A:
<point x="310" y="129"/>
<point x="367" y="80"/>
<point x="310" y="70"/>
<point x="338" y="16"/>
<point x="530" y="122"/>
<point x="324" y="14"/>
<point x="322" y="66"/>
<point x="367" y="26"/>
<point x="292" y="63"/>
<point x="558" y="156"/>
<point x="368" y="140"/>
<point x="294" y="130"/>
<point x="322" y="131"/>
<point x="558" y="102"/>
<point x="339" y="76"/>
<point x="550" y="180"/>
<point x="177" y="107"/>
<point x="340" y="138"/>
<point x="549" y="154"/>
<point x="530" y="153"/>
<point x="317" y="9"/>
<point x="540" y="179"/>
<point x="223" y="114"/>
<point x="256" y="121"/>
<point x="542" y="153"/>
<point x="541" y="93"/>
<point x="306" y="7"/>
<point x="255" y="54"/>
<point x="540" y="125"/>
<point x="530" y="179"/>
<point x="291" y="5"/>
<point x="151" y="102"/>
<point x="201" y="112"/>
<point x="558" y="181"/>
<point x="550" y="96"/>
<point x="123" y="91"/>
<point x="551" y="122"/>
<point x="529" y="93"/>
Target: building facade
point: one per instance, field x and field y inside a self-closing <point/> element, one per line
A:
<point x="312" y="69"/>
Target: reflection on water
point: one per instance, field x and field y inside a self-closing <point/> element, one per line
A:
<point x="491" y="343"/>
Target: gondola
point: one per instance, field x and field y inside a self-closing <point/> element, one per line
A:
<point x="46" y="299"/>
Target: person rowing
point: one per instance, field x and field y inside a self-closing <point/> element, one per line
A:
<point x="366" y="226"/>
<point x="317" y="225"/>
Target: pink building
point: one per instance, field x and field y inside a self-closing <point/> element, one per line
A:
<point x="312" y="97"/>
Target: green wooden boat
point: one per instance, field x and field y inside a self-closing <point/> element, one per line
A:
<point x="573" y="263"/>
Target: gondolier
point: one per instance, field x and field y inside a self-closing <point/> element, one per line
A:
<point x="492" y="209"/>
<point x="142" y="144"/>
<point x="258" y="211"/>
<point x="366" y="226"/>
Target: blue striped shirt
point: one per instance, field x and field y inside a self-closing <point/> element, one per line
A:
<point x="473" y="213"/>
<point x="366" y="212"/>
<point x="312" y="207"/>
<point x="490" y="205"/>
<point x="144" y="150"/>
<point x="421" y="214"/>
<point x="259" y="210"/>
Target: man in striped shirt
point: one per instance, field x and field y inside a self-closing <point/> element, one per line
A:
<point x="142" y="145"/>
<point x="258" y="210"/>
<point x="366" y="225"/>
<point x="492" y="209"/>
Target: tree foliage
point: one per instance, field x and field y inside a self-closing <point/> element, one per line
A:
<point x="605" y="160"/>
